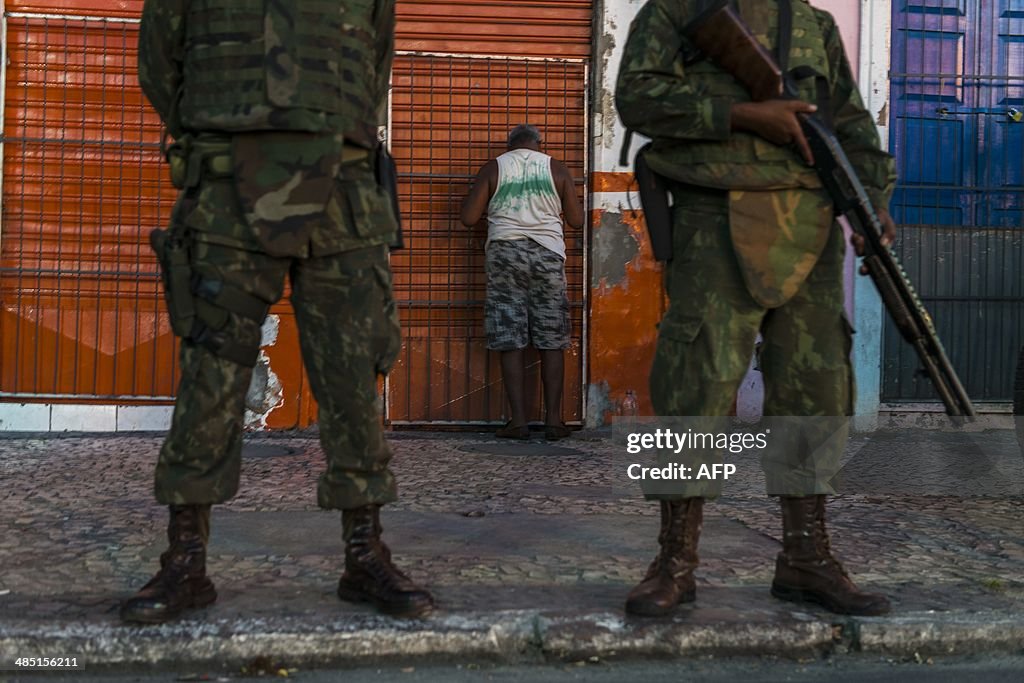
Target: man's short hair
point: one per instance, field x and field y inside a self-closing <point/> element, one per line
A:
<point x="522" y="134"/>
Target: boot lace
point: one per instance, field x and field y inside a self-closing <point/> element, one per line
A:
<point x="375" y="560"/>
<point x="823" y="544"/>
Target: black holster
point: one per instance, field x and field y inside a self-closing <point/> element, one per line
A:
<point x="199" y="307"/>
<point x="176" y="273"/>
<point x="387" y="179"/>
<point x="654" y="195"/>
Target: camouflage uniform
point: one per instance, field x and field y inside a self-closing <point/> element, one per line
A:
<point x="755" y="250"/>
<point x="755" y="245"/>
<point x="275" y="108"/>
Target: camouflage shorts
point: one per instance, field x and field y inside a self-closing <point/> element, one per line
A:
<point x="526" y="297"/>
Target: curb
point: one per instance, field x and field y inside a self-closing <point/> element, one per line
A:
<point x="292" y="640"/>
<point x="510" y="637"/>
<point x="945" y="634"/>
<point x="612" y="636"/>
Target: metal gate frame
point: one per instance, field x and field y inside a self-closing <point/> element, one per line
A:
<point x="137" y="399"/>
<point x="898" y="383"/>
<point x="585" y="231"/>
<point x="100" y="398"/>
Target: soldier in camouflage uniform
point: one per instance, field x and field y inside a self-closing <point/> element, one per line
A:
<point x="274" y="109"/>
<point x="756" y="250"/>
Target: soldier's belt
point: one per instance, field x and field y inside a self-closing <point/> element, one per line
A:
<point x="217" y="165"/>
<point x="210" y="159"/>
<point x="186" y="171"/>
<point x="351" y="153"/>
<point x="193" y="159"/>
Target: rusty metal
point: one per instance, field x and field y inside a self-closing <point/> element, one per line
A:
<point x="450" y="115"/>
<point x="82" y="315"/>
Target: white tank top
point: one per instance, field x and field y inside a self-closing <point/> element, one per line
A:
<point x="525" y="203"/>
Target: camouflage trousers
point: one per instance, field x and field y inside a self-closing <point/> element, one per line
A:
<point x="527" y="300"/>
<point x="708" y="335"/>
<point x="348" y="334"/>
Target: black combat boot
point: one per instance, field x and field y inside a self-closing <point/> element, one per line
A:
<point x="181" y="582"/>
<point x="669" y="580"/>
<point x="806" y="570"/>
<point x="369" y="574"/>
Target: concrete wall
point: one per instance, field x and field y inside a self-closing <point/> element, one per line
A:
<point x="627" y="298"/>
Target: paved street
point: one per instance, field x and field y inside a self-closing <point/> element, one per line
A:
<point x="849" y="669"/>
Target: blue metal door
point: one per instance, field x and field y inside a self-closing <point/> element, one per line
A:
<point x="957" y="99"/>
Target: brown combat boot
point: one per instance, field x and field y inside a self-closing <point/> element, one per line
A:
<point x="181" y="582"/>
<point x="669" y="580"/>
<point x="806" y="571"/>
<point x="369" y="574"/>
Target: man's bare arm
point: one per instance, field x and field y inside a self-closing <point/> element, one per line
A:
<point x="474" y="206"/>
<point x="571" y="207"/>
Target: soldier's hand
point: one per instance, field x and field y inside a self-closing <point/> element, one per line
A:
<point x="775" y="121"/>
<point x="888" y="235"/>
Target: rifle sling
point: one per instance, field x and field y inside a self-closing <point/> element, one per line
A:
<point x="624" y="150"/>
<point x="782" y="45"/>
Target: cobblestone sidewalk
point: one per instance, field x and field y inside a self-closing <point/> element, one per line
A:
<point x="530" y="548"/>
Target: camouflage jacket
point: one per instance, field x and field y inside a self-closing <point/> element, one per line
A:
<point x="319" y="66"/>
<point x="684" y="105"/>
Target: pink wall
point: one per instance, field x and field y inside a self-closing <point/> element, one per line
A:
<point x="847" y="16"/>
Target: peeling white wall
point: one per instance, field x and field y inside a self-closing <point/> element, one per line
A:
<point x="265" y="392"/>
<point x="608" y="131"/>
<point x="869" y="315"/>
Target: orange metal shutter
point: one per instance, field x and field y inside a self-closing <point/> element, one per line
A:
<point x="466" y="73"/>
<point x="82" y="316"/>
<point x="537" y="28"/>
<point x="81" y="310"/>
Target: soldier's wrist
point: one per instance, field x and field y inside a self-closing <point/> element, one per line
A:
<point x="742" y="116"/>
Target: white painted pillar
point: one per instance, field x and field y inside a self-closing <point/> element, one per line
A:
<point x="869" y="316"/>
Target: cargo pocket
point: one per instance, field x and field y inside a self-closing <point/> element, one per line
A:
<point x="370" y="213"/>
<point x="680" y="329"/>
<point x="671" y="391"/>
<point x="388" y="334"/>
